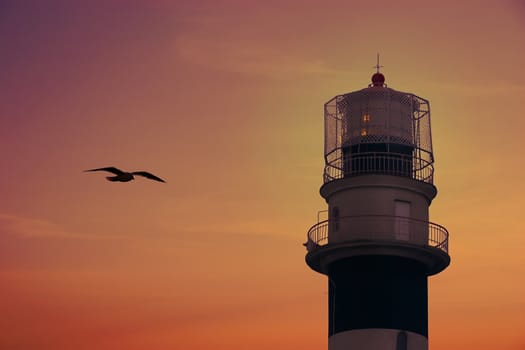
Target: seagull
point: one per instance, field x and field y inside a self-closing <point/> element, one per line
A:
<point x="123" y="176"/>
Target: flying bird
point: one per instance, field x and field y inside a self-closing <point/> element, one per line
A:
<point x="123" y="176"/>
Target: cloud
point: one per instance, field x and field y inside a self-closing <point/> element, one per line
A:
<point x="215" y="42"/>
<point x="28" y="227"/>
<point x="249" y="57"/>
<point x="482" y="90"/>
<point x="37" y="228"/>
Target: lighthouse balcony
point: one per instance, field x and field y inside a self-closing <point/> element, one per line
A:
<point x="344" y="163"/>
<point x="423" y="241"/>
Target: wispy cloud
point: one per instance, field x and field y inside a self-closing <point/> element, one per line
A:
<point x="249" y="57"/>
<point x="215" y="42"/>
<point x="28" y="227"/>
<point x="490" y="88"/>
<point x="37" y="228"/>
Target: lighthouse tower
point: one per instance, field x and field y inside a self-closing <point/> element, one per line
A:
<point x="377" y="246"/>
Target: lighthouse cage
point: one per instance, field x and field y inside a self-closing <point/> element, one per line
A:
<point x="378" y="130"/>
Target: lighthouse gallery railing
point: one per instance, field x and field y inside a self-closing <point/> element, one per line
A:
<point x="339" y="166"/>
<point x="378" y="227"/>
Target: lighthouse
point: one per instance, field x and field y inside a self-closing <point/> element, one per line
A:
<point x="377" y="246"/>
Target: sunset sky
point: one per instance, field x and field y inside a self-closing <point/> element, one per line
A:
<point x="224" y="99"/>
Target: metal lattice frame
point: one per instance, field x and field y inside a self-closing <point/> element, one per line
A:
<point x="405" y="119"/>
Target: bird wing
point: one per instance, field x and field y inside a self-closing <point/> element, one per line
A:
<point x="147" y="175"/>
<point x="111" y="169"/>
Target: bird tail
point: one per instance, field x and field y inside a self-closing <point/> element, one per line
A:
<point x="112" y="178"/>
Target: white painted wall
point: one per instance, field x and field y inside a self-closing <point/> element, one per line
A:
<point x="379" y="195"/>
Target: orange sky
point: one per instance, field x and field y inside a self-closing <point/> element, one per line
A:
<point x="224" y="100"/>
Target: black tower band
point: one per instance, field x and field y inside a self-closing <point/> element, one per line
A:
<point x="377" y="292"/>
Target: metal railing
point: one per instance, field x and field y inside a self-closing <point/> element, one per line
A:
<point x="354" y="164"/>
<point x="378" y="227"/>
